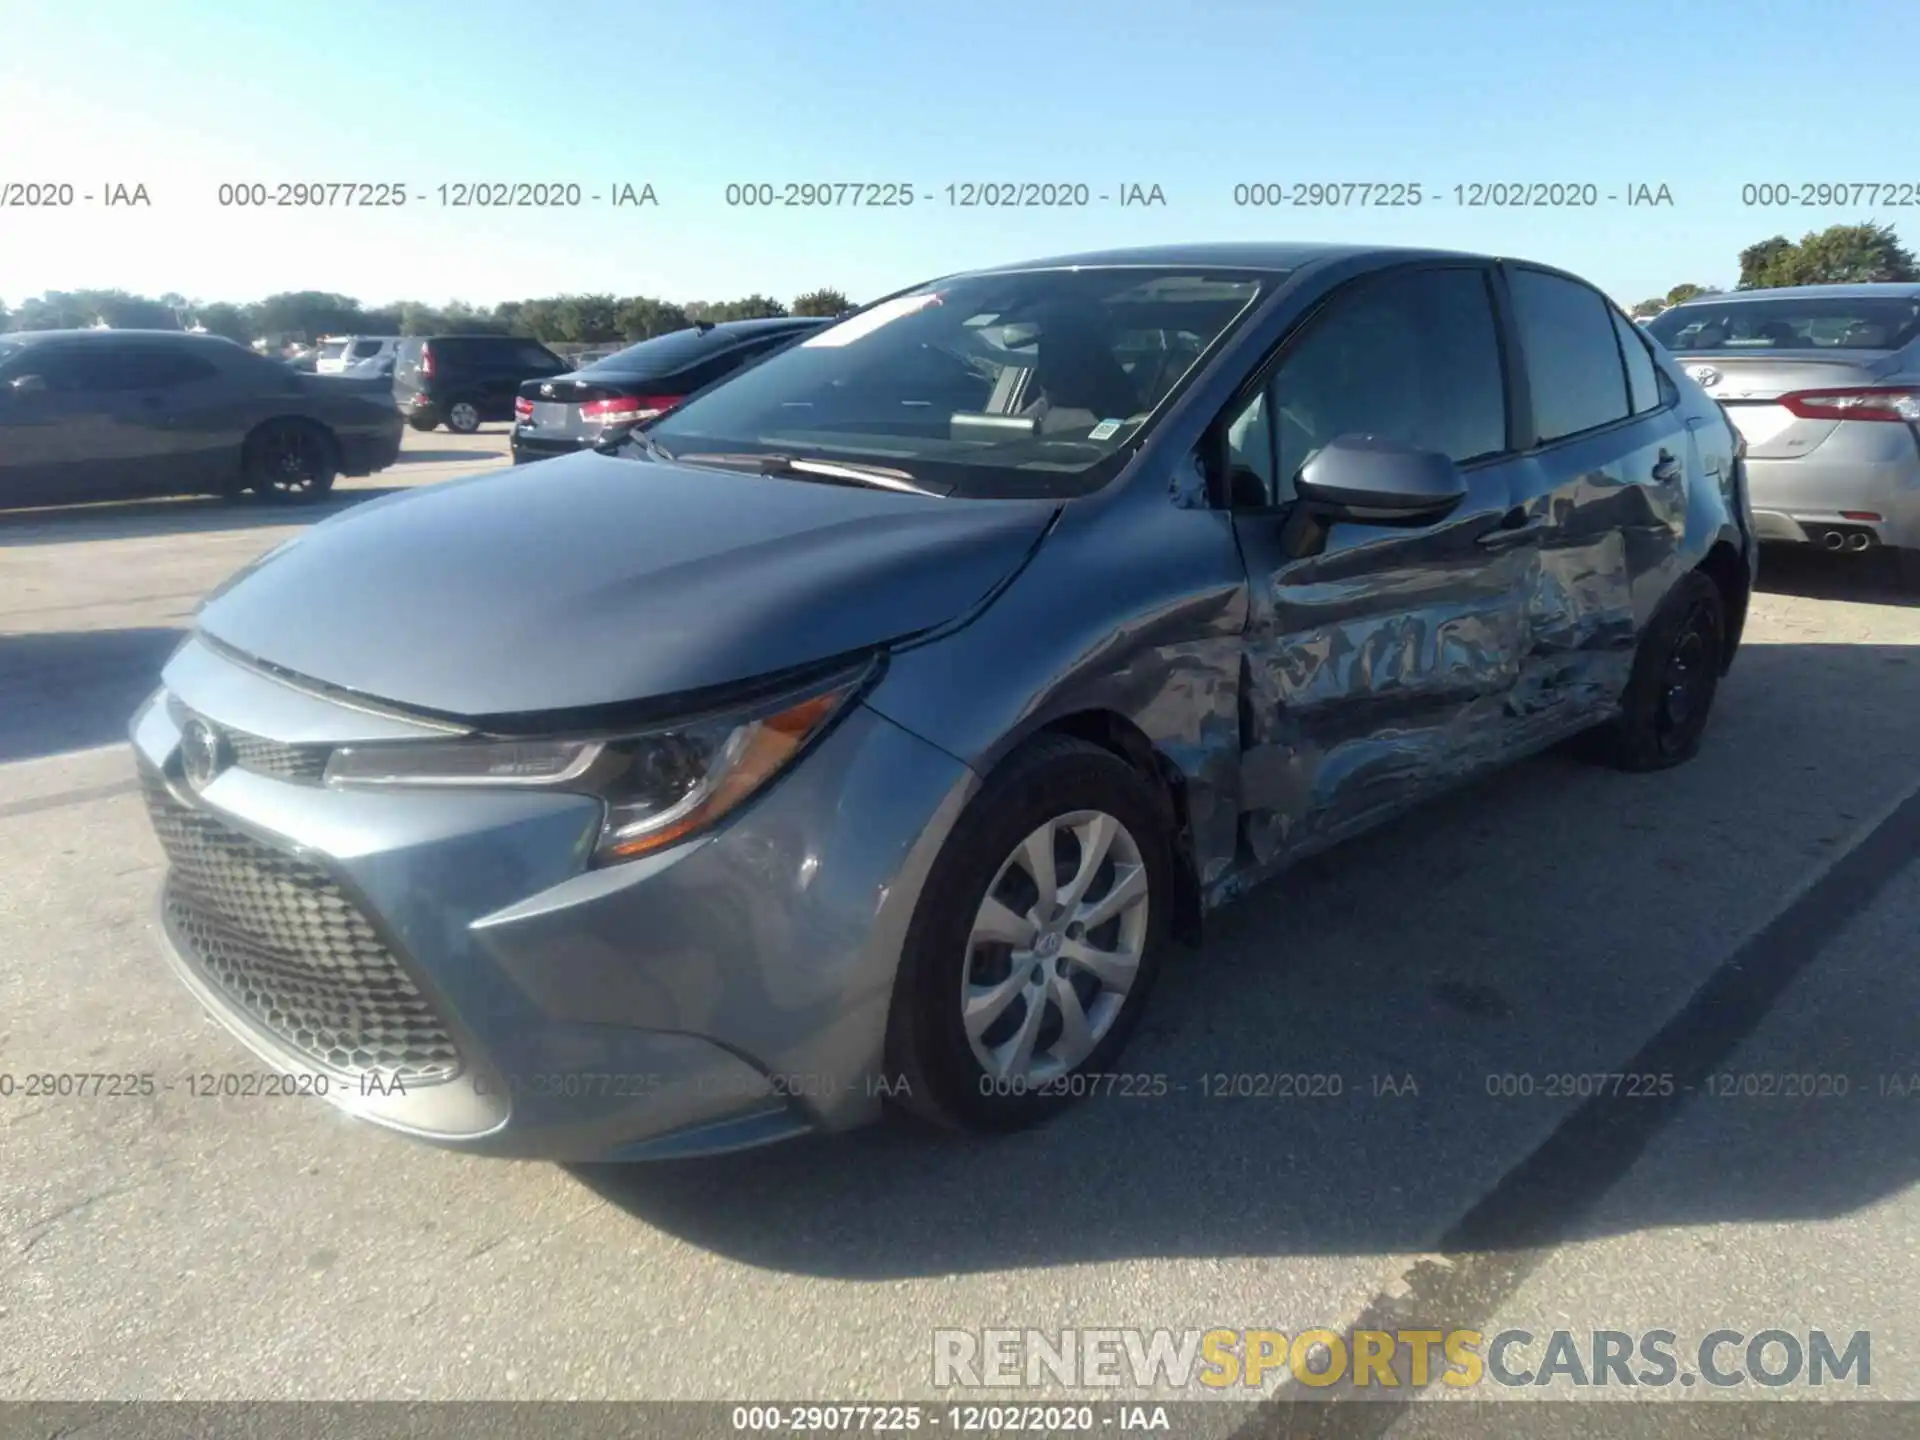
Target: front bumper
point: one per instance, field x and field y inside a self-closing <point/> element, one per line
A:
<point x="371" y="451"/>
<point x="444" y="963"/>
<point x="1870" y="468"/>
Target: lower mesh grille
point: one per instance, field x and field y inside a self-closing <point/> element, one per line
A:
<point x="282" y="762"/>
<point x="286" y="947"/>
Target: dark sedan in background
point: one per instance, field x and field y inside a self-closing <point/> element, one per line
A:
<point x="558" y="414"/>
<point x="107" y="414"/>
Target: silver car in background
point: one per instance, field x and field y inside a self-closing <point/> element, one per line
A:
<point x="1823" y="381"/>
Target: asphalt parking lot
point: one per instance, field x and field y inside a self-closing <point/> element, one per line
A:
<point x="1553" y="919"/>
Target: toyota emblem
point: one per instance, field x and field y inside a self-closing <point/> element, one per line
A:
<point x="1705" y="375"/>
<point x="203" y="753"/>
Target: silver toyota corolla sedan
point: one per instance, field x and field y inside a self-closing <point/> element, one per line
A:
<point x="863" y="730"/>
<point x="1823" y="381"/>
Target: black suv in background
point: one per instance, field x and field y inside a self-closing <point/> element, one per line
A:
<point x="555" y="415"/>
<point x="463" y="381"/>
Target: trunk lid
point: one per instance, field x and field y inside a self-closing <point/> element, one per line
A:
<point x="1748" y="387"/>
<point x="558" y="405"/>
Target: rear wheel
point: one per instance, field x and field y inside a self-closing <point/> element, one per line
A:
<point x="424" y="422"/>
<point x="291" y="460"/>
<point x="1676" y="674"/>
<point x="463" y="417"/>
<point x="1036" y="941"/>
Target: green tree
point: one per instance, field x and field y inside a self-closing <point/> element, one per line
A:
<point x="821" y="302"/>
<point x="538" y="319"/>
<point x="309" y="314"/>
<point x="1648" y="307"/>
<point x="641" y="317"/>
<point x="232" y="321"/>
<point x="588" y="319"/>
<point x="1680" y="294"/>
<point x="1838" y="255"/>
<point x="1763" y="265"/>
<point x="1853" y="255"/>
<point x="754" y="307"/>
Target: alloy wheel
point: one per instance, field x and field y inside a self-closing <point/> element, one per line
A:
<point x="1055" y="948"/>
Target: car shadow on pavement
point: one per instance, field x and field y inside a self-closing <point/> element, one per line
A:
<point x="1802" y="570"/>
<point x="136" y="519"/>
<point x="1367" y="1046"/>
<point x="75" y="689"/>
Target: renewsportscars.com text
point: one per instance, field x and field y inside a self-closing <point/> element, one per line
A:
<point x="1222" y="1359"/>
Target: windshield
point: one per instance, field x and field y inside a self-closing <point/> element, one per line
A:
<point x="1818" y="322"/>
<point x="333" y="350"/>
<point x="1020" y="384"/>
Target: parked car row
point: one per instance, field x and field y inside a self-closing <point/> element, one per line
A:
<point x="877" y="714"/>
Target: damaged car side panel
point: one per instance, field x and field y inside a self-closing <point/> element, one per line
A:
<point x="1298" y="688"/>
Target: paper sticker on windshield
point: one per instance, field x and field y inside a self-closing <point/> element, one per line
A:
<point x="866" y="323"/>
<point x="1106" y="429"/>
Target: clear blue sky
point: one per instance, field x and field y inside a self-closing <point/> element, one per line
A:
<point x="181" y="95"/>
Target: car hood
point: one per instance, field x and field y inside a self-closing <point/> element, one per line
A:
<point x="593" y="580"/>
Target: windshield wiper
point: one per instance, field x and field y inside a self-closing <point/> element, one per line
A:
<point x="790" y="467"/>
<point x="619" y="440"/>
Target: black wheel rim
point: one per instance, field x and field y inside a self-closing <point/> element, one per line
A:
<point x="291" y="462"/>
<point x="1687" y="679"/>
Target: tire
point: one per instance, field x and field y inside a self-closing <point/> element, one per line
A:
<point x="463" y="416"/>
<point x="424" y="422"/>
<point x="1661" y="724"/>
<point x="1083" y="790"/>
<point x="1907" y="567"/>
<point x="291" y="460"/>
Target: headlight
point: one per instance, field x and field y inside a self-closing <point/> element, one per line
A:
<point x="659" y="787"/>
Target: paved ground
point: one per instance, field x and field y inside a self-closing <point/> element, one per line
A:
<point x="1552" y="919"/>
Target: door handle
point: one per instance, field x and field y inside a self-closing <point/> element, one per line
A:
<point x="1666" y="469"/>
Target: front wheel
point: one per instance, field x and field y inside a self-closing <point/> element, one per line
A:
<point x="1676" y="674"/>
<point x="1035" y="943"/>
<point x="291" y="459"/>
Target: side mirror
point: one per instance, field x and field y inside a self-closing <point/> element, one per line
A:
<point x="1366" y="479"/>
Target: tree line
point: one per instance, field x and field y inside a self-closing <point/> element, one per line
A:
<point x="1838" y="255"/>
<point x="305" y="315"/>
<point x="1841" y="254"/>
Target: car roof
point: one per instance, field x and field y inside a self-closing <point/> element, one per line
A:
<point x="1228" y="255"/>
<point x="1897" y="288"/>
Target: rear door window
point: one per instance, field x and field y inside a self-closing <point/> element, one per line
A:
<point x="1643" y="379"/>
<point x="532" y="358"/>
<point x="1575" y="371"/>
